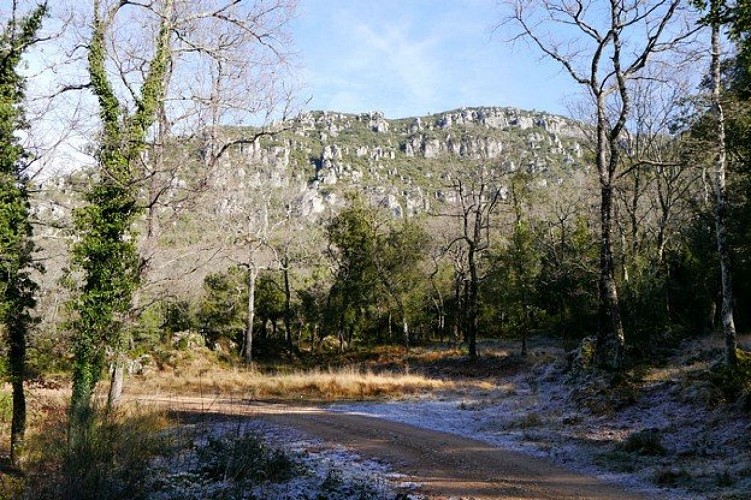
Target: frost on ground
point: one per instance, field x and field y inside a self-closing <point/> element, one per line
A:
<point x="217" y="459"/>
<point x="693" y="447"/>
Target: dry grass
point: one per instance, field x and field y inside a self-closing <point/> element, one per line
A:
<point x="343" y="383"/>
<point x="107" y="458"/>
<point x="43" y="404"/>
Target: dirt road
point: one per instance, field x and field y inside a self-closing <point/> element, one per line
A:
<point x="446" y="465"/>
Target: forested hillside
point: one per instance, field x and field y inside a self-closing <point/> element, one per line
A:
<point x="397" y="213"/>
<point x="208" y="229"/>
<point x="286" y="204"/>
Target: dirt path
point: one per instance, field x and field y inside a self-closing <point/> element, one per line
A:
<point x="446" y="465"/>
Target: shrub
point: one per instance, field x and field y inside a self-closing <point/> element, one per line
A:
<point x="644" y="442"/>
<point x="734" y="383"/>
<point x="671" y="477"/>
<point x="243" y="457"/>
<point x="528" y="421"/>
<point x="581" y="359"/>
<point x="336" y="487"/>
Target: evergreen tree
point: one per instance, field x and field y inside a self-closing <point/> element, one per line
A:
<point x="353" y="238"/>
<point x="398" y="260"/>
<point x="16" y="243"/>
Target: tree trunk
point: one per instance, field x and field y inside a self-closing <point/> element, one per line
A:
<point x="441" y="323"/>
<point x="117" y="371"/>
<point x="248" y="338"/>
<point x="457" y="309"/>
<point x="117" y="381"/>
<point x="17" y="358"/>
<point x="728" y="324"/>
<point x="287" y="306"/>
<point x="472" y="305"/>
<point x="340" y="333"/>
<point x="610" y="337"/>
<point x="526" y="326"/>
<point x="405" y="331"/>
<point x="390" y="333"/>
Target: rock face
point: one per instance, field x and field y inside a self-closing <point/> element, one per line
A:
<point x="399" y="164"/>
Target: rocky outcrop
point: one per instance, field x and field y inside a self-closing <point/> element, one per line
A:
<point x="478" y="148"/>
<point x="398" y="162"/>
<point x="377" y="122"/>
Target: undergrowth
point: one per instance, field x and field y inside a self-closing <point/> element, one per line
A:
<point x="107" y="457"/>
<point x="644" y="442"/>
<point x="243" y="457"/>
<point x="734" y="383"/>
<point x="141" y="453"/>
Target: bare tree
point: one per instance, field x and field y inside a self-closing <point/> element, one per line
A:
<point x="603" y="46"/>
<point x="229" y="67"/>
<point x="478" y="193"/>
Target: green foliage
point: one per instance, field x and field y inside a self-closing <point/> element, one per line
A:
<point x="16" y="244"/>
<point x="221" y="310"/>
<point x="336" y="487"/>
<point x="645" y="308"/>
<point x="269" y="297"/>
<point x="177" y="316"/>
<point x="568" y="278"/>
<point x="378" y="274"/>
<point x="353" y="237"/>
<point x="6" y="407"/>
<point x="581" y="360"/>
<point x="511" y="289"/>
<point x="735" y="18"/>
<point x="400" y="254"/>
<point x="105" y="251"/>
<point x="148" y="332"/>
<point x="313" y="300"/>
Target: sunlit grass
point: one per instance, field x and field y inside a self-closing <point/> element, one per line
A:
<point x="341" y="383"/>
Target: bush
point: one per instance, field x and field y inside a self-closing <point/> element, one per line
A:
<point x="581" y="359"/>
<point x="336" y="487"/>
<point x="734" y="383"/>
<point x="243" y="457"/>
<point x="671" y="477"/>
<point x="644" y="442"/>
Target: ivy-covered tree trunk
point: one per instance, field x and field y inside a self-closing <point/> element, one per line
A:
<point x="16" y="244"/>
<point x="105" y="251"/>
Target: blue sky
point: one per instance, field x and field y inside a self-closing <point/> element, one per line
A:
<point x="413" y="57"/>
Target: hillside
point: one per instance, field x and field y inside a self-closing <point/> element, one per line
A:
<point x="403" y="164"/>
<point x="309" y="164"/>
